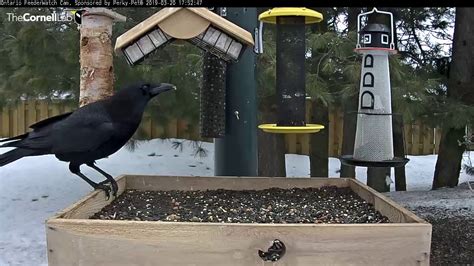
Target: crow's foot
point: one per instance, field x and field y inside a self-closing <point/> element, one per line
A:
<point x="113" y="184"/>
<point x="105" y="188"/>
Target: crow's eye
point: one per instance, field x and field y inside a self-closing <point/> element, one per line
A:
<point x="144" y="89"/>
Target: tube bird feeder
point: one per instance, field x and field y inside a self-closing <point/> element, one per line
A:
<point x="373" y="146"/>
<point x="290" y="68"/>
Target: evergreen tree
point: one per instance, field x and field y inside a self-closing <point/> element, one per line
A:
<point x="39" y="59"/>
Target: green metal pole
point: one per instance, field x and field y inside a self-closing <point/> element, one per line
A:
<point x="236" y="153"/>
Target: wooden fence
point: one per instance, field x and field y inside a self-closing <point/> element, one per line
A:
<point x="419" y="139"/>
<point x="14" y="120"/>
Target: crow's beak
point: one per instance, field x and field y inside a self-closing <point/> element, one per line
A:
<point x="162" y="88"/>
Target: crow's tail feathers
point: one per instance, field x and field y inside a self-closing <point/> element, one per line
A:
<point x="10" y="143"/>
<point x="22" y="136"/>
<point x="16" y="154"/>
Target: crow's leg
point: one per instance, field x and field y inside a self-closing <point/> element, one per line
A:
<point x="74" y="168"/>
<point x="109" y="178"/>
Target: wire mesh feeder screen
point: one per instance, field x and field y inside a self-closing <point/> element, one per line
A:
<point x="218" y="43"/>
<point x="374" y="135"/>
<point x="377" y="160"/>
<point x="374" y="139"/>
<point x="290" y="71"/>
<point x="212" y="113"/>
<point x="146" y="45"/>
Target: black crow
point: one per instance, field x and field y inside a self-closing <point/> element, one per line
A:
<point x="90" y="133"/>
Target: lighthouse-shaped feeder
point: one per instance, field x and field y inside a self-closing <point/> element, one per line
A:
<point x="373" y="146"/>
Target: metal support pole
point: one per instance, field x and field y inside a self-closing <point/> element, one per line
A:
<point x="236" y="153"/>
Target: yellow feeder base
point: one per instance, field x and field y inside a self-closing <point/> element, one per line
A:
<point x="273" y="128"/>
<point x="310" y="15"/>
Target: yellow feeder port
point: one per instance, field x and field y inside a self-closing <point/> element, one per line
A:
<point x="311" y="16"/>
<point x="308" y="128"/>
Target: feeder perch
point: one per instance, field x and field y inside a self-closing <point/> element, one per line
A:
<point x="307" y="128"/>
<point x="199" y="26"/>
<point x="290" y="68"/>
<point x="373" y="146"/>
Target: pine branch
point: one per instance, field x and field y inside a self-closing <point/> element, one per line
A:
<point x="423" y="54"/>
<point x="469" y="169"/>
<point x="197" y="146"/>
<point x="177" y="145"/>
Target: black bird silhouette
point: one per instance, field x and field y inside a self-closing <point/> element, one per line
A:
<point x="91" y="132"/>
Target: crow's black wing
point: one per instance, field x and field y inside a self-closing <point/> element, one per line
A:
<point x="50" y="120"/>
<point x="85" y="130"/>
<point x="82" y="138"/>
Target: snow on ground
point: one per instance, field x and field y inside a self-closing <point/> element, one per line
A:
<point x="33" y="189"/>
<point x="419" y="170"/>
<point x="458" y="201"/>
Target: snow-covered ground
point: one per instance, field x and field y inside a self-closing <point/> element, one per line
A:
<point x="32" y="189"/>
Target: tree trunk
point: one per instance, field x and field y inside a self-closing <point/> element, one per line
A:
<point x="448" y="164"/>
<point x="319" y="141"/>
<point x="271" y="147"/>
<point x="323" y="25"/>
<point x="352" y="13"/>
<point x="96" y="54"/>
<point x="348" y="133"/>
<point x="349" y="105"/>
<point x="398" y="128"/>
<point x="399" y="151"/>
<point x="377" y="178"/>
<point x="460" y="88"/>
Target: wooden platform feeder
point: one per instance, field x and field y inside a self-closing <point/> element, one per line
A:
<point x="73" y="239"/>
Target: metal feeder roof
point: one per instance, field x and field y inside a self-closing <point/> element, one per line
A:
<point x="310" y="15"/>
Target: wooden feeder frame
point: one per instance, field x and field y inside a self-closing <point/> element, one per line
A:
<point x="73" y="239"/>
